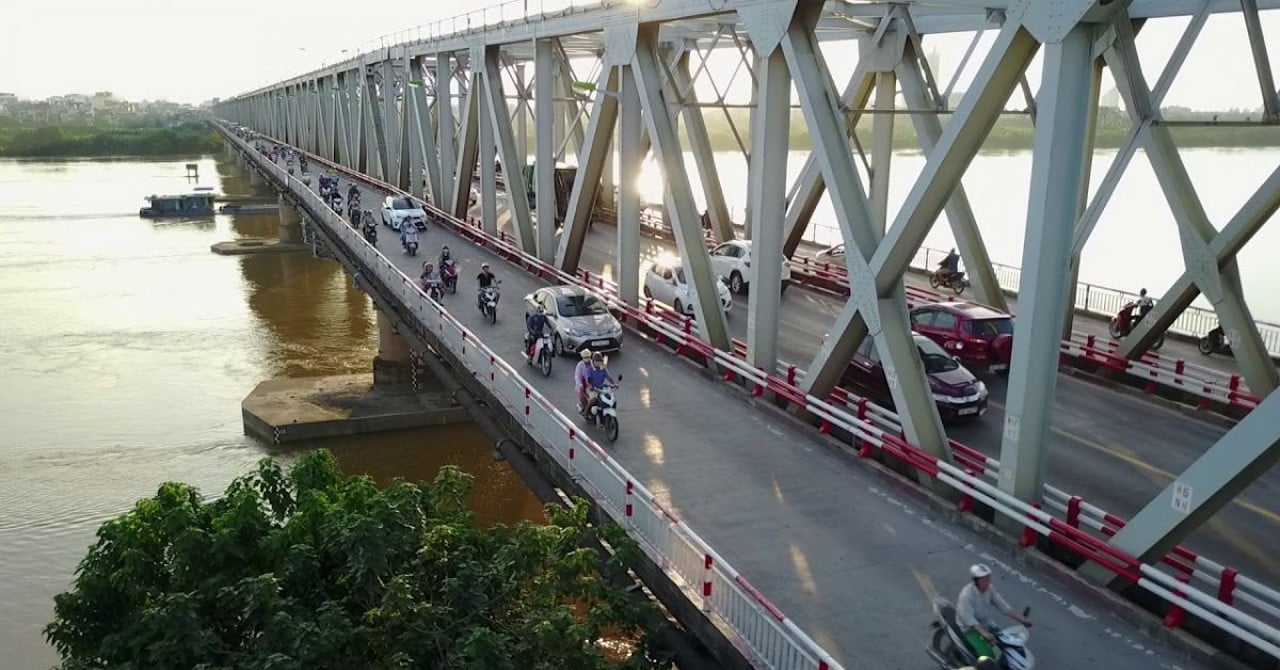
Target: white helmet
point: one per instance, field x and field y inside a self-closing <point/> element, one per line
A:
<point x="978" y="571"/>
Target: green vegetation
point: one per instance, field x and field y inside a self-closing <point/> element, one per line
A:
<point x="1011" y="133"/>
<point x="63" y="141"/>
<point x="314" y="570"/>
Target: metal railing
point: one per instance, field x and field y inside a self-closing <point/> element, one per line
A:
<point x="704" y="576"/>
<point x="875" y="430"/>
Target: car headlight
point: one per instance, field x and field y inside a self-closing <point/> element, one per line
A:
<point x="575" y="332"/>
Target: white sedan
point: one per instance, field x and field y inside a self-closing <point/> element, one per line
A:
<point x="665" y="282"/>
<point x="396" y="210"/>
<point x="732" y="260"/>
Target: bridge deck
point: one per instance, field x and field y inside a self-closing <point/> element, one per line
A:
<point x="1113" y="449"/>
<point x="841" y="550"/>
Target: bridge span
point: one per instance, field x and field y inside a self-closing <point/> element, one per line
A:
<point x="1057" y="464"/>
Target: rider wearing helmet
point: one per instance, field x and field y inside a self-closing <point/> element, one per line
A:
<point x="1145" y="303"/>
<point x="597" y="377"/>
<point x="580" y="378"/>
<point x="429" y="275"/>
<point x="483" y="280"/>
<point x="535" y="326"/>
<point x="976" y="608"/>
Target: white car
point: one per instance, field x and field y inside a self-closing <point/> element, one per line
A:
<point x="665" y="282"/>
<point x="396" y="210"/>
<point x="830" y="254"/>
<point x="732" y="260"/>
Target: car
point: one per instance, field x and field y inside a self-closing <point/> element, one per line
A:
<point x="732" y="260"/>
<point x="956" y="391"/>
<point x="579" y="320"/>
<point x="979" y="336"/>
<point x="832" y="254"/>
<point x="665" y="282"/>
<point x="398" y="209"/>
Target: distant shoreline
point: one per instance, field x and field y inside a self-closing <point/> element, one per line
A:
<point x="104" y="142"/>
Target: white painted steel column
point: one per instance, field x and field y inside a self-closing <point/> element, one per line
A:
<point x="704" y="156"/>
<point x="522" y="116"/>
<point x="468" y="147"/>
<point x="448" y="133"/>
<point x="630" y="164"/>
<point x="488" y="176"/>
<point x="544" y="73"/>
<point x="587" y="184"/>
<point x="496" y="104"/>
<point x="882" y="147"/>
<point x="679" y="197"/>
<point x="770" y="140"/>
<point x="1056" y="173"/>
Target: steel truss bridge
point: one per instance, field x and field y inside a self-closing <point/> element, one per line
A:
<point x="424" y="110"/>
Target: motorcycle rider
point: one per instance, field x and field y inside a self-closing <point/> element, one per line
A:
<point x="483" y="280"/>
<point x="446" y="260"/>
<point x="534" y="327"/>
<point x="1145" y="304"/>
<point x="580" y="378"/>
<point x="976" y="608"/>
<point x="1217" y="336"/>
<point x="408" y="235"/>
<point x="950" y="266"/>
<point x="597" y="376"/>
<point x="429" y="276"/>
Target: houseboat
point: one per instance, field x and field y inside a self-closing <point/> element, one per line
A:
<point x="178" y="206"/>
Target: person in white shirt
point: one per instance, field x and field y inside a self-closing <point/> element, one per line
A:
<point x="976" y="610"/>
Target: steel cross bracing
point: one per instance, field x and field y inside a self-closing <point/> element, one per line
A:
<point x="391" y="114"/>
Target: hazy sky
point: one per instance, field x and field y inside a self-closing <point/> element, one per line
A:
<point x="189" y="52"/>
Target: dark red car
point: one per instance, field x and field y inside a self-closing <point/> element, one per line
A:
<point x="981" y="337"/>
<point x="956" y="391"/>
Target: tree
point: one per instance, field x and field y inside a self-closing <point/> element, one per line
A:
<point x="316" y="570"/>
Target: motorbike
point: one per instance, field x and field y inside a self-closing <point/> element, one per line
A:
<point x="449" y="272"/>
<point x="957" y="282"/>
<point x="1124" y="322"/>
<point x="538" y="352"/>
<point x="353" y="213"/>
<point x="949" y="649"/>
<point x="336" y="203"/>
<point x="433" y="290"/>
<point x="489" y="302"/>
<point x="370" y="232"/>
<point x="410" y="244"/>
<point x="1215" y="343"/>
<point x="605" y="410"/>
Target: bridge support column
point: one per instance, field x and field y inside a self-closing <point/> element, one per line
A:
<point x="290" y="222"/>
<point x="1056" y="174"/>
<point x="393" y="366"/>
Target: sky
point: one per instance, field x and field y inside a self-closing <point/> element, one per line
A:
<point x="190" y="52"/>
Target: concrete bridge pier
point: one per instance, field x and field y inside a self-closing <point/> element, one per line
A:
<point x="290" y="222"/>
<point x="393" y="366"/>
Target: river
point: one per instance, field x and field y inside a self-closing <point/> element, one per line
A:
<point x="125" y="352"/>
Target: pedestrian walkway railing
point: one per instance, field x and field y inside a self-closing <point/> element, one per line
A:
<point x="770" y="638"/>
<point x="1240" y="607"/>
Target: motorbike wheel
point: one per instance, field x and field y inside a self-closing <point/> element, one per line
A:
<point x="493" y="314"/>
<point x="1114" y="329"/>
<point x="941" y="644"/>
<point x="934" y="280"/>
<point x="453" y="285"/>
<point x="1205" y="346"/>
<point x="610" y="427"/>
<point x="545" y="362"/>
<point x="1155" y="346"/>
<point x="958" y="287"/>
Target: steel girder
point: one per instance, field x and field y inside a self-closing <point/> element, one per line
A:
<point x="544" y="139"/>
<point x="447" y="131"/>
<point x="587" y="183"/>
<point x="468" y="149"/>
<point x="701" y="280"/>
<point x="496" y="111"/>
<point x="488" y="151"/>
<point x="770" y="137"/>
<point x="631" y="161"/>
<point x="695" y="124"/>
<point x="880" y="313"/>
<point x="1218" y="280"/>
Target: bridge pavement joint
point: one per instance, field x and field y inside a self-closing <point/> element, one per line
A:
<point x="707" y="631"/>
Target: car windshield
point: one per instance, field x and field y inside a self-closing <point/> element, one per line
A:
<point x="402" y="203"/>
<point x="990" y="328"/>
<point x="580" y="305"/>
<point x="935" y="359"/>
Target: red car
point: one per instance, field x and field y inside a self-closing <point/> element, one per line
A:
<point x="981" y="337"/>
<point x="956" y="391"/>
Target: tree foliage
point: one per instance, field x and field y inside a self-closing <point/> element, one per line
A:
<point x="315" y="570"/>
<point x="190" y="139"/>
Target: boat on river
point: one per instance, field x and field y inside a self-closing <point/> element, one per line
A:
<point x="178" y="206"/>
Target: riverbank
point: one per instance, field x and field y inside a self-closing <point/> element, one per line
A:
<point x="66" y="141"/>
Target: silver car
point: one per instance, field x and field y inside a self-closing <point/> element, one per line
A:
<point x="578" y="319"/>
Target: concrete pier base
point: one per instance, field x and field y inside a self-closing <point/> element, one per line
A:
<point x="393" y="366"/>
<point x="289" y="410"/>
<point x="290" y="222"/>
